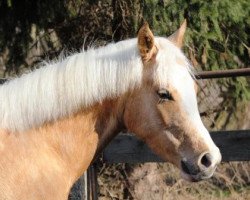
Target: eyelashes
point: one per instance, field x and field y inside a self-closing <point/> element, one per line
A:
<point x="164" y="95"/>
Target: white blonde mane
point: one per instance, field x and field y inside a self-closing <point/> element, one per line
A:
<point x="59" y="89"/>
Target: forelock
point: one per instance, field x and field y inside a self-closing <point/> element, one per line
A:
<point x="171" y="63"/>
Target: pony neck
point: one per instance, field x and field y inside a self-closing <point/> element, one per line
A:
<point x="81" y="137"/>
<point x="60" y="151"/>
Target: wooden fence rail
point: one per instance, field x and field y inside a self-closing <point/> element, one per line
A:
<point x="223" y="73"/>
<point x="125" y="148"/>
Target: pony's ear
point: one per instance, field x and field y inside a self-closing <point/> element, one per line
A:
<point x="146" y="43"/>
<point x="177" y="36"/>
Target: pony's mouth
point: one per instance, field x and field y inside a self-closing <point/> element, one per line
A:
<point x="194" y="170"/>
<point x="197" y="177"/>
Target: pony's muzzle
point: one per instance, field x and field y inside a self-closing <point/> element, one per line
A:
<point x="198" y="169"/>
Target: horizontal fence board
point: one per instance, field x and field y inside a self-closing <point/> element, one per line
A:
<point x="223" y="73"/>
<point x="125" y="148"/>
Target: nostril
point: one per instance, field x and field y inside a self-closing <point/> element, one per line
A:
<point x="206" y="160"/>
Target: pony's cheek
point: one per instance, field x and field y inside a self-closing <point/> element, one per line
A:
<point x="164" y="147"/>
<point x="167" y="113"/>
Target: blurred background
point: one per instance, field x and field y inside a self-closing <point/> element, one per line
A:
<point x="217" y="37"/>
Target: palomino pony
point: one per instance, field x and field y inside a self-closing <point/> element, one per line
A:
<point x="54" y="120"/>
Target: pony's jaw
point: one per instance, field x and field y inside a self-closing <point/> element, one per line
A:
<point x="198" y="177"/>
<point x="198" y="169"/>
<point x="201" y="153"/>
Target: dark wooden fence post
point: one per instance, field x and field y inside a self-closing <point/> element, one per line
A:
<point x="86" y="187"/>
<point x="92" y="182"/>
<point x="79" y="189"/>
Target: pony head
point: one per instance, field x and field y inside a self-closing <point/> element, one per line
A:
<point x="163" y="110"/>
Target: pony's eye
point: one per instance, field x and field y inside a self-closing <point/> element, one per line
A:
<point x="164" y="94"/>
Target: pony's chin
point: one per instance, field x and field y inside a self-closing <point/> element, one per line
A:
<point x="189" y="178"/>
<point x="194" y="178"/>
